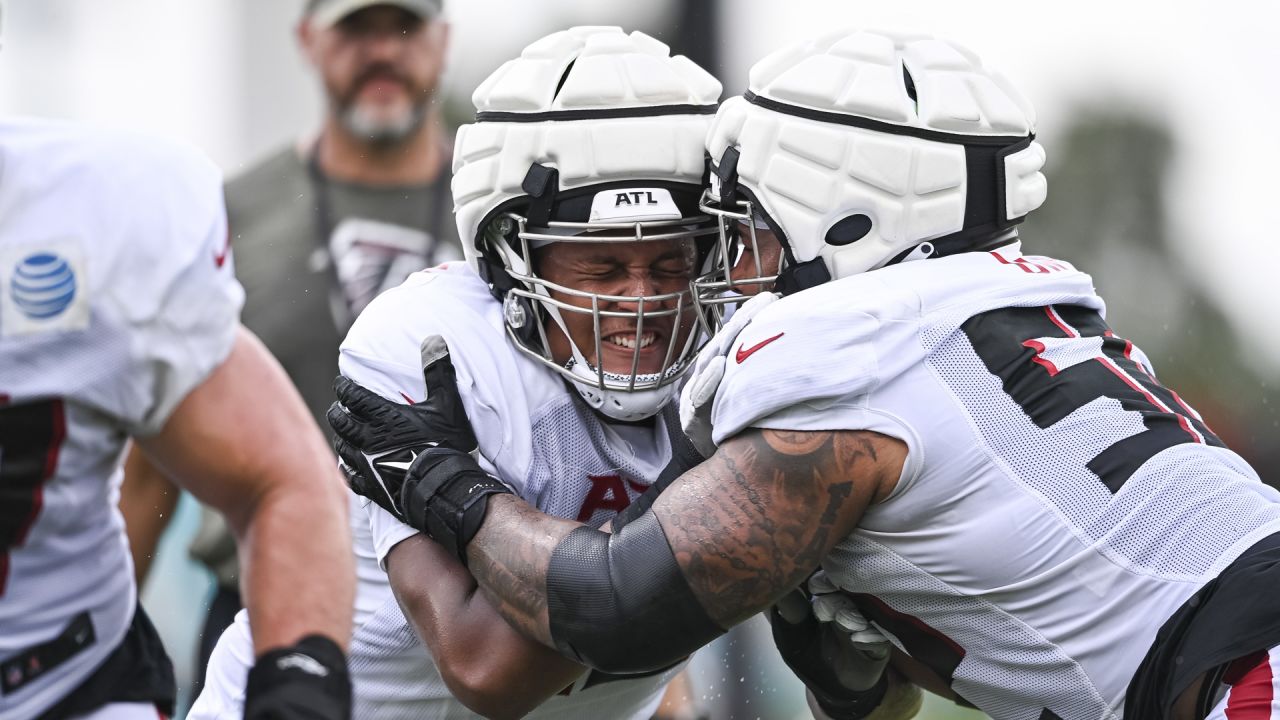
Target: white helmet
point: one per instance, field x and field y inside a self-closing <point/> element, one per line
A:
<point x="860" y="149"/>
<point x="591" y="135"/>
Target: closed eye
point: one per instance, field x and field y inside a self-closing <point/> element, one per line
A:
<point x="678" y="269"/>
<point x="598" y="271"/>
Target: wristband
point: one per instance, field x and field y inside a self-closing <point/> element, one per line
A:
<point x="851" y="704"/>
<point x="306" y="681"/>
<point x="445" y="495"/>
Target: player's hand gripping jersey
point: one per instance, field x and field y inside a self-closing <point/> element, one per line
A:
<point x="534" y="432"/>
<point x="1058" y="503"/>
<point x="116" y="299"/>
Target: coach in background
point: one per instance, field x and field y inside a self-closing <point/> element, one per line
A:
<point x="320" y="228"/>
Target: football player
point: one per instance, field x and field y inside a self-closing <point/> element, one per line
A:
<point x="577" y="192"/>
<point x="981" y="466"/>
<point x="118" y="319"/>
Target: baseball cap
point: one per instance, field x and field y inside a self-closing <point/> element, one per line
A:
<point x="329" y="12"/>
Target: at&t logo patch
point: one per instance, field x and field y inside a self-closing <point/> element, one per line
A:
<point x="43" y="288"/>
<point x="43" y="285"/>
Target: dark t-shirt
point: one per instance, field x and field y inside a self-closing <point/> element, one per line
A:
<point x="310" y="255"/>
<point x="290" y="268"/>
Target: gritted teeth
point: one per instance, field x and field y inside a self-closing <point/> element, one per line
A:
<point x="629" y="341"/>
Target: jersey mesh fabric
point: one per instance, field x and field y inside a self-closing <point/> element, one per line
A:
<point x="574" y="446"/>
<point x="1031" y="673"/>
<point x="385" y="659"/>
<point x="1050" y="581"/>
<point x="1176" y="518"/>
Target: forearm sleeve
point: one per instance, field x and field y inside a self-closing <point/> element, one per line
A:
<point x="620" y="604"/>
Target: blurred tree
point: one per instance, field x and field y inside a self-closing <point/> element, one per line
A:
<point x="696" y="33"/>
<point x="1106" y="214"/>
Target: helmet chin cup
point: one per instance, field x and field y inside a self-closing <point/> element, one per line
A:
<point x="624" y="405"/>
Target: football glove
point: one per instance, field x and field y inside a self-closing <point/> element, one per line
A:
<point x="832" y="648"/>
<point x="307" y="681"/>
<point x="833" y="605"/>
<point x="416" y="461"/>
<point x="708" y="370"/>
<point x="376" y="439"/>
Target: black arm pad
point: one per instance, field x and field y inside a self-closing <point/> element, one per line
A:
<point x="620" y="604"/>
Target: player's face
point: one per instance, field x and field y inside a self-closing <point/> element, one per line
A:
<point x="380" y="66"/>
<point x="633" y="269"/>
<point x="764" y="258"/>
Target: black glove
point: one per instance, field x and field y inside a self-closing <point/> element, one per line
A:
<point x="307" y="681"/>
<point x="814" y="653"/>
<point x="376" y="439"/>
<point x="416" y="460"/>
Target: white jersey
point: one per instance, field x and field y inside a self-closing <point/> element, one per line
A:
<point x="116" y="299"/>
<point x="1057" y="503"/>
<point x="534" y="433"/>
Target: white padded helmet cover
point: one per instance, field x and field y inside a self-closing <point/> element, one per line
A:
<point x="808" y="174"/>
<point x="581" y="69"/>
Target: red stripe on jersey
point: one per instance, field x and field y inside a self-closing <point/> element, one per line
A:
<point x="1128" y="355"/>
<point x="1241" y="666"/>
<point x="1188" y="408"/>
<point x="1062" y="324"/>
<point x="1182" y="420"/>
<point x="55" y="443"/>
<point x="1250" y="696"/>
<point x="220" y="256"/>
<point x="1039" y="359"/>
<point x="1025" y="265"/>
<point x="915" y="621"/>
<point x="1128" y="346"/>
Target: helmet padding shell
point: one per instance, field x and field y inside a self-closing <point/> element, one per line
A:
<point x="857" y="147"/>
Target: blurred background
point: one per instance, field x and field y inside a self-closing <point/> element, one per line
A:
<point x="1156" y="117"/>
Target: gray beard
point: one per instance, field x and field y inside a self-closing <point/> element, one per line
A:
<point x="382" y="131"/>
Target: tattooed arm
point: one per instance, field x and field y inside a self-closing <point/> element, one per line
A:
<point x="745" y="526"/>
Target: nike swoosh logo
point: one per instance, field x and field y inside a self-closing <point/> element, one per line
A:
<point x="402" y="465"/>
<point x="220" y="256"/>
<point x="743" y="354"/>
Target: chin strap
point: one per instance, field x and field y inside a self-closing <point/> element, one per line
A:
<point x="541" y="183"/>
<point x="802" y="276"/>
